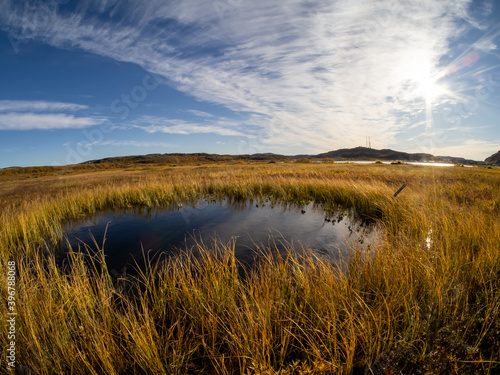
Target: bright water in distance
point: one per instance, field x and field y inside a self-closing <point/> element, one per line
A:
<point x="250" y="223"/>
<point x="431" y="164"/>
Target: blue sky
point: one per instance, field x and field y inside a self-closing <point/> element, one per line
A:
<point x="83" y="80"/>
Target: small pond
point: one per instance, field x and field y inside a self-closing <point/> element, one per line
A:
<point x="250" y="223"/>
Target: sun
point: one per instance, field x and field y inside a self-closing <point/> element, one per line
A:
<point x="429" y="89"/>
<point x="416" y="68"/>
<point x="425" y="83"/>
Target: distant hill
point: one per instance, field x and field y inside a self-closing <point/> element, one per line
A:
<point x="493" y="159"/>
<point x="357" y="153"/>
<point x="365" y="153"/>
<point x="179" y="158"/>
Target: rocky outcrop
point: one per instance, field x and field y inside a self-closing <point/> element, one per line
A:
<point x="493" y="159"/>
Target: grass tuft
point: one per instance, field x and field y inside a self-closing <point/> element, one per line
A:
<point x="425" y="300"/>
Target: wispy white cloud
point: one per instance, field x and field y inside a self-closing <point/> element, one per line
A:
<point x="486" y="45"/>
<point x="132" y="143"/>
<point x="191" y="129"/>
<point x="151" y="124"/>
<point x="42" y="121"/>
<point x="38" y="106"/>
<point x="43" y="115"/>
<point x="319" y="75"/>
<point x="470" y="148"/>
<point x="200" y="113"/>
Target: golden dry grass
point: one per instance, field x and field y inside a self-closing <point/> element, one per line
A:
<point x="425" y="301"/>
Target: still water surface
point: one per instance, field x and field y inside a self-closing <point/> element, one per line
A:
<point x="250" y="223"/>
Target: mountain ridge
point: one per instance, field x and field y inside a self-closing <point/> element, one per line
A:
<point x="345" y="154"/>
<point x="356" y="153"/>
<point x="493" y="159"/>
<point x="366" y="153"/>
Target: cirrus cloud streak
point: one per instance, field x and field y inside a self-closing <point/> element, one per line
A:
<point x="320" y="75"/>
<point x="37" y="121"/>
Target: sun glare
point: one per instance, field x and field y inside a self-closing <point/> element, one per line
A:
<point x="429" y="89"/>
<point x="416" y="68"/>
<point x="426" y="85"/>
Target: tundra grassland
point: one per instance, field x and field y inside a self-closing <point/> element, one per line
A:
<point x="425" y="300"/>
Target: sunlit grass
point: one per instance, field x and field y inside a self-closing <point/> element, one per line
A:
<point x="425" y="300"/>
